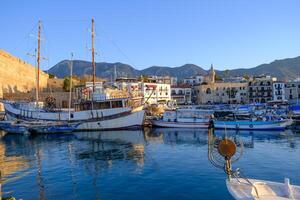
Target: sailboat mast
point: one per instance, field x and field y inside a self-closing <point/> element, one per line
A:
<point x="93" y="55"/>
<point x="70" y="92"/>
<point x="38" y="61"/>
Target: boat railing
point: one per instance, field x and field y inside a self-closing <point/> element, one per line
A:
<point x="238" y="174"/>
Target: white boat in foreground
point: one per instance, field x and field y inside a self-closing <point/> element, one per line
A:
<point x="184" y="118"/>
<point x="242" y="189"/>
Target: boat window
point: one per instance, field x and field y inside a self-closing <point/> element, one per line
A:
<point x="101" y="105"/>
<point x="104" y="105"/>
<point x="116" y="104"/>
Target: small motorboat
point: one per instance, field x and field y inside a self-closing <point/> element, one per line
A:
<point x="184" y="118"/>
<point x="15" y="127"/>
<point x="244" y="189"/>
<point x="4" y="124"/>
<point x="53" y="127"/>
<point x="230" y="120"/>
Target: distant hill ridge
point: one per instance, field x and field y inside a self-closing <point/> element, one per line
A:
<point x="283" y="69"/>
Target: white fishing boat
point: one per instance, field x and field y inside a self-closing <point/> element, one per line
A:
<point x="184" y="118"/>
<point x="244" y="189"/>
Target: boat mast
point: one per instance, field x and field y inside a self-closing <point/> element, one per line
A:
<point x="70" y="92"/>
<point x="38" y="62"/>
<point x="93" y="55"/>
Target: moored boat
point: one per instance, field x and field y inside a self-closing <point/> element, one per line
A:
<point x="114" y="114"/>
<point x="230" y="120"/>
<point x="15" y="127"/>
<point x="184" y="118"/>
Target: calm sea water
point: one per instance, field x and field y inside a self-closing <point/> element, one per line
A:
<point x="152" y="164"/>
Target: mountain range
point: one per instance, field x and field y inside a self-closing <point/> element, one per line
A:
<point x="288" y="68"/>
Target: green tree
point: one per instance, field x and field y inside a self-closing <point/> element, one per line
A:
<point x="246" y="77"/>
<point x="66" y="85"/>
<point x="51" y="76"/>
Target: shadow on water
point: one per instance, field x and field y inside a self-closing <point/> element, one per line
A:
<point x="95" y="160"/>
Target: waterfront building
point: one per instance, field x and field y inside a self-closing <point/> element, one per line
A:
<point x="155" y="93"/>
<point x="292" y="91"/>
<point x="182" y="94"/>
<point x="279" y="91"/>
<point x="194" y="80"/>
<point x="151" y="91"/>
<point x="212" y="91"/>
<point x="261" y="89"/>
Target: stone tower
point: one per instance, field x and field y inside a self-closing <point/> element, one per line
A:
<point x="212" y="74"/>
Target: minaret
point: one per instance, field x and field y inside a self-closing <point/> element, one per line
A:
<point x="212" y="74"/>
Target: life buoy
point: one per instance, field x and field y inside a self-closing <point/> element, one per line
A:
<point x="251" y="126"/>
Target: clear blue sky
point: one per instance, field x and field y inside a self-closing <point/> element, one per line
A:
<point x="143" y="33"/>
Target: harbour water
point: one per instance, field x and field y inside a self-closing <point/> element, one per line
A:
<point x="151" y="164"/>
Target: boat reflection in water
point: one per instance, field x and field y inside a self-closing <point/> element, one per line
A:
<point x="112" y="145"/>
<point x="199" y="136"/>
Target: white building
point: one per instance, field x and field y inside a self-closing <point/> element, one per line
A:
<point x="292" y="91"/>
<point x="194" y="80"/>
<point x="156" y="92"/>
<point x="182" y="94"/>
<point x="278" y="91"/>
<point x="152" y="93"/>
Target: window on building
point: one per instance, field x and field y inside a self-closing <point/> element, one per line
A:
<point x="208" y="91"/>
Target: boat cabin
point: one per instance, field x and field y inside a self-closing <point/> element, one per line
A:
<point x="104" y="104"/>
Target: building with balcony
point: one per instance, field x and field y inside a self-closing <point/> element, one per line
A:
<point x="211" y="92"/>
<point x="279" y="91"/>
<point x="151" y="92"/>
<point x="261" y="89"/>
<point x="194" y="80"/>
<point x="182" y="94"/>
<point x="292" y="91"/>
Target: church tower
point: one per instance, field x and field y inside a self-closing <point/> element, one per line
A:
<point x="212" y="74"/>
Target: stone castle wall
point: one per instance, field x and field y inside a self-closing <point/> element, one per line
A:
<point x="18" y="76"/>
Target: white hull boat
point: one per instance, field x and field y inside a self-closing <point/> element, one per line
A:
<point x="100" y="119"/>
<point x="253" y="189"/>
<point x="184" y="118"/>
